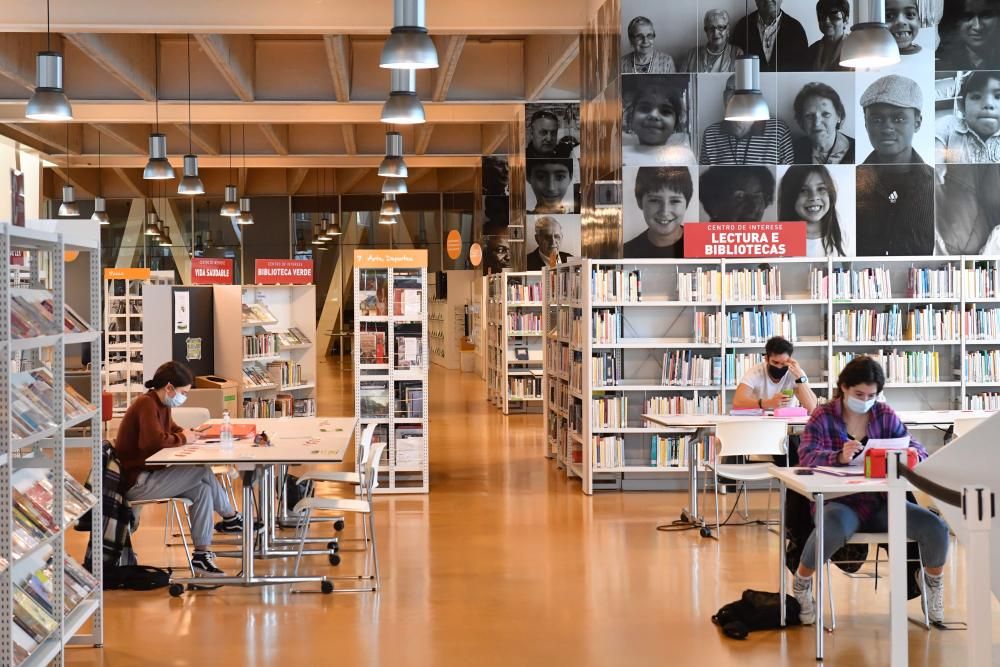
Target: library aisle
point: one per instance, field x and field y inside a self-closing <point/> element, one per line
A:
<point x="506" y="563"/>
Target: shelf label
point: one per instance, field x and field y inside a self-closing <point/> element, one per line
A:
<point x="126" y="274"/>
<point x="745" y="239"/>
<point x="211" y="271"/>
<point x="283" y="271"/>
<point x="382" y="258"/>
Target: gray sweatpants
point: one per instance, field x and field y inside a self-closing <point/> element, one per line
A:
<point x="196" y="483"/>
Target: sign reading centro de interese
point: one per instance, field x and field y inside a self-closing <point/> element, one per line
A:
<point x="211" y="271"/>
<point x="745" y="239"/>
<point x="283" y="271"/>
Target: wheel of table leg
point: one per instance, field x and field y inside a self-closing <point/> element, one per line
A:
<point x="334" y="559"/>
<point x="333" y="546"/>
<point x="176" y="590"/>
<point x="684" y="517"/>
<point x="339" y="524"/>
<point x="706" y="531"/>
<point x="326" y="587"/>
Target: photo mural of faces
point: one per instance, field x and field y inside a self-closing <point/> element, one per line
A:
<point x="496" y="213"/>
<point x="904" y="160"/>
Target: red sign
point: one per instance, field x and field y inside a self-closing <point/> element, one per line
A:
<point x="283" y="271"/>
<point x="211" y="271"/>
<point x="745" y="239"/>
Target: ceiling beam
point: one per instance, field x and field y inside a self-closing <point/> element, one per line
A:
<point x="323" y="112"/>
<point x="13" y="132"/>
<point x="423" y="138"/>
<point x="234" y="56"/>
<point x="204" y="137"/>
<point x="17" y="56"/>
<point x="338" y="57"/>
<point x="350" y="133"/>
<point x="135" y="137"/>
<point x="83" y="180"/>
<point x="493" y="136"/>
<point x="277" y="136"/>
<point x="132" y="180"/>
<point x="274" y="161"/>
<point x="294" y="178"/>
<point x="128" y="58"/>
<point x="243" y="173"/>
<point x="447" y="66"/>
<point x="453" y="179"/>
<point x="50" y="134"/>
<point x="416" y="175"/>
<point x="346" y="179"/>
<point x="546" y="57"/>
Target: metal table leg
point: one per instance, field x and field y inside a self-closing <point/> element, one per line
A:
<point x="782" y="576"/>
<point x="819" y="574"/>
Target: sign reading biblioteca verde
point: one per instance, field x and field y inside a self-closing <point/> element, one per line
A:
<point x="745" y="239"/>
<point x="283" y="271"/>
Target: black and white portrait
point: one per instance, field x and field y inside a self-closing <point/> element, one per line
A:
<point x="657" y="202"/>
<point x="895" y="209"/>
<point x="553" y="185"/>
<point x="651" y="37"/>
<point x="655" y="119"/>
<point x="496" y="214"/>
<point x="715" y="51"/>
<point x="496" y="253"/>
<point x="897" y="118"/>
<point x="823" y="197"/>
<point x="967" y="130"/>
<point x="968" y="209"/>
<point x="774" y="31"/>
<point x="818" y="110"/>
<point x="737" y="194"/>
<point x="968" y="35"/>
<point x="552" y="130"/>
<point x="496" y="175"/>
<point x="548" y="234"/>
<point x="726" y="142"/>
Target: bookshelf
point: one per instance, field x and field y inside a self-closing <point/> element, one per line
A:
<point x="514" y="340"/>
<point x="446" y="319"/>
<point x="627" y="337"/>
<point x="46" y="594"/>
<point x="274" y="359"/>
<point x="391" y="362"/>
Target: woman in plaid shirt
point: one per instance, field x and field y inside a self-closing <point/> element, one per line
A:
<point x="832" y="438"/>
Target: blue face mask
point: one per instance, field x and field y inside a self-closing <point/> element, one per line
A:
<point x="177" y="400"/>
<point x="859" y="406"/>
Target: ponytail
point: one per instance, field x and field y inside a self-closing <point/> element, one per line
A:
<point x="172" y="372"/>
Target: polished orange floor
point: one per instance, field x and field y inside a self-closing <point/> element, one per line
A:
<point x="506" y="563"/>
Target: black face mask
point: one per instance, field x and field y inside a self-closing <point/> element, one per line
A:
<point x="777" y="372"/>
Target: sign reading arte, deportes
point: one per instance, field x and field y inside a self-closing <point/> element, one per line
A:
<point x="745" y="239"/>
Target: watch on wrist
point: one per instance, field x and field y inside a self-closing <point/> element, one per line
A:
<point x="760" y="403"/>
<point x="802" y="380"/>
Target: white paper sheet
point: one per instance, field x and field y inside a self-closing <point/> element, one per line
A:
<point x="879" y="443"/>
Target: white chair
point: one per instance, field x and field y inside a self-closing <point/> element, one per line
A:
<point x="764" y="437"/>
<point x="174" y="505"/>
<point x="192" y="418"/>
<point x="369" y="481"/>
<point x="965" y="424"/>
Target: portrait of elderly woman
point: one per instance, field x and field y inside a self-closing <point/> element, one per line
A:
<point x="644" y="58"/>
<point x="833" y="17"/>
<point x="716" y="54"/>
<point x="736" y="194"/>
<point x="655" y="109"/>
<point x="820" y="114"/>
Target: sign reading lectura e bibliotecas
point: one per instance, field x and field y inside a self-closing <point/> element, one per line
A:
<point x="382" y="258"/>
<point x="745" y="239"/>
<point x="283" y="271"/>
<point x="211" y="271"/>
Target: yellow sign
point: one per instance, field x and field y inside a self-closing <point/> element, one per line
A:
<point x="475" y="254"/>
<point x="383" y="258"/>
<point x="453" y="245"/>
<point x="126" y="274"/>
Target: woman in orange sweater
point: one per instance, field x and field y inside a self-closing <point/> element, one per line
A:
<point x="147" y="428"/>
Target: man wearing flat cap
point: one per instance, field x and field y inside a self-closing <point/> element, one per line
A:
<point x="895" y="188"/>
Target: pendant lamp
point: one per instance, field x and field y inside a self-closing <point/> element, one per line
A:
<point x="387" y="220"/>
<point x="244" y="217"/>
<point x="409" y="46"/>
<point x="394" y="186"/>
<point x="190" y="183"/>
<point x="335" y="229"/>
<point x="870" y="45"/>
<point x="152" y="228"/>
<point x="165" y="241"/>
<point x="100" y="205"/>
<point x="68" y="208"/>
<point x="393" y="166"/>
<point x="747" y="104"/>
<point x="48" y="103"/>
<point x="390" y="206"/>
<point x="403" y="106"/>
<point x="158" y="168"/>
<point x="317" y="233"/>
<point x="230" y="207"/>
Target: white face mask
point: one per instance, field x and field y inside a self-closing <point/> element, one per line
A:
<point x="859" y="406"/>
<point x="177" y="400"/>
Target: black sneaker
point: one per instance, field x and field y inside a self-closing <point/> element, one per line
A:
<point x="233" y="524"/>
<point x="203" y="563"/>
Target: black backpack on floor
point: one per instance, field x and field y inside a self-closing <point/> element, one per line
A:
<point x="135" y="577"/>
<point x="756" y="610"/>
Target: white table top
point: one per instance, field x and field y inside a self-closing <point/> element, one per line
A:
<point x="831" y="485"/>
<point x="909" y="417"/>
<point x="293" y="440"/>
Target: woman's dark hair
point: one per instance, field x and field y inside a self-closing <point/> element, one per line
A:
<point x="788" y="192"/>
<point x="719" y="183"/>
<point x="975" y="80"/>
<point x="825" y="6"/>
<point x="777" y="345"/>
<point x="817" y="89"/>
<point x="172" y="372"/>
<point x="951" y="15"/>
<point x="860" y="370"/>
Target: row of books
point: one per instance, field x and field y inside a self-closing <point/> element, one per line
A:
<point x="32" y="398"/>
<point x="607" y="451"/>
<point x="982" y="366"/>
<point x="699" y="285"/>
<point x="260" y="345"/>
<point x="286" y="373"/>
<point x="524" y="386"/>
<point x="753" y="284"/>
<point x="933" y="283"/>
<point x="521" y="292"/>
<point x="684" y="368"/>
<point x="606" y="326"/>
<point x="255" y="314"/>
<point x="756" y="326"/>
<point x="524" y="322"/>
<point x="924" y="324"/>
<point x="615" y="285"/>
<point x="907" y="366"/>
<point x="982" y="281"/>
<point x="576" y="373"/>
<point x="566" y="285"/>
<point x="669" y="451"/>
<point x="708" y="328"/>
<point x="609" y="411"/>
<point x="605" y="369"/>
<point x="679" y="405"/>
<point x="33" y="314"/>
<point x="33" y="496"/>
<point x="982" y="324"/>
<point x="873" y="283"/>
<point x="985" y="401"/>
<point x="255" y="376"/>
<point x="739" y="364"/>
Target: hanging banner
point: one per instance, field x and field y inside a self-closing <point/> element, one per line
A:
<point x="283" y="271"/>
<point x="126" y="274"/>
<point x="211" y="271"/>
<point x="382" y="258"/>
<point x="745" y="239"/>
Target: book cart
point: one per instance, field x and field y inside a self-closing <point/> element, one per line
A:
<point x="628" y="337"/>
<point x="45" y="594"/>
<point x="514" y="340"/>
<point x="391" y="361"/>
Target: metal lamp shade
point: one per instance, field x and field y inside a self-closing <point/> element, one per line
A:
<point x="68" y="208"/>
<point x="392" y="167"/>
<point x="191" y="183"/>
<point x="317" y="233"/>
<point x="158" y="168"/>
<point x="244" y="217"/>
<point x="390" y="206"/>
<point x="394" y="186"/>
<point x="230" y="208"/>
<point x="335" y="229"/>
<point x="151" y="228"/>
<point x="387" y="220"/>
<point x="49" y="102"/>
<point x="100" y="211"/>
<point x="403" y="106"/>
<point x="747" y="104"/>
<point x="869" y="46"/>
<point x="409" y="46"/>
<point x="324" y="229"/>
<point x="165" y="241"/>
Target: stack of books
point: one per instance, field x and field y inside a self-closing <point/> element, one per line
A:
<point x="257" y="313"/>
<point x="255" y="376"/>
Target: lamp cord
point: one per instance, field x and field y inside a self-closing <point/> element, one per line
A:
<point x="98" y="164"/>
<point x="190" y="140"/>
<point x="156" y="79"/>
<point x="48" y="26"/>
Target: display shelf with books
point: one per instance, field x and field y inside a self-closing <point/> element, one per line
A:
<point x="515" y="338"/>
<point x="391" y="362"/>
<point x="274" y="359"/>
<point x="48" y="597"/>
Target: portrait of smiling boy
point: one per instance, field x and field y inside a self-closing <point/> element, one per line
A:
<point x="663" y="195"/>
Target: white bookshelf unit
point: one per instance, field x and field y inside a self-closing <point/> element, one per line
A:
<point x="514" y="340"/>
<point x="391" y="362"/>
<point x="446" y="320"/>
<point x="38" y="408"/>
<point x="627" y="337"/>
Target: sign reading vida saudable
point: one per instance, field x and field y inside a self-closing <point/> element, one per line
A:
<point x="211" y="271"/>
<point x="745" y="239"/>
<point x="283" y="271"/>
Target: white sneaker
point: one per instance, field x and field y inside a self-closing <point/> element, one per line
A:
<point x="802" y="589"/>
<point x="934" y="595"/>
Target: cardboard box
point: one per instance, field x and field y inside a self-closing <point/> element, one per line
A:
<point x="229" y="388"/>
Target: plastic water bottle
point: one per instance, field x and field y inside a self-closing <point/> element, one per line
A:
<point x="226" y="434"/>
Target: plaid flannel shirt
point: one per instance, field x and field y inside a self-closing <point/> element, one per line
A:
<point x="117" y="516"/>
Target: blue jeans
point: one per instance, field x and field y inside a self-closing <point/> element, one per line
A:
<point x="840" y="522"/>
